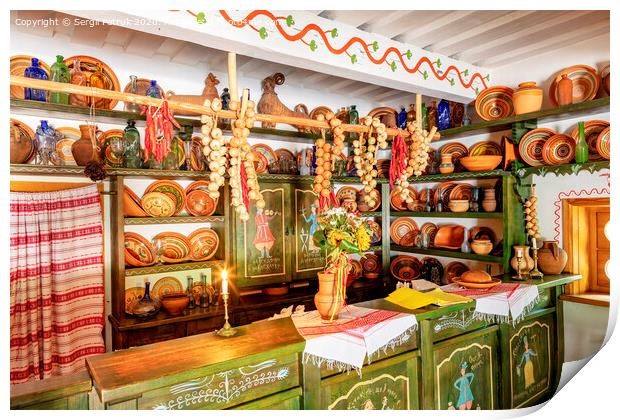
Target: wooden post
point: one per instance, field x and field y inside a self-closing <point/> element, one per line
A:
<point x="232" y="76"/>
<point x="418" y="110"/>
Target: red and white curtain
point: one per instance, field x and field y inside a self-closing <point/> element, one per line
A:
<point x="57" y="290"/>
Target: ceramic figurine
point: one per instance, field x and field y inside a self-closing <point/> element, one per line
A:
<point x="208" y="92"/>
<point x="269" y="103"/>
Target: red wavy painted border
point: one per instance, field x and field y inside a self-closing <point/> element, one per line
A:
<point x="568" y="194"/>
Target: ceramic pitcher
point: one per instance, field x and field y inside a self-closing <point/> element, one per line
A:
<point x="551" y="258"/>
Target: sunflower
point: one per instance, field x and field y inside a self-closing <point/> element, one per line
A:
<point x="334" y="237"/>
<point x="363" y="238"/>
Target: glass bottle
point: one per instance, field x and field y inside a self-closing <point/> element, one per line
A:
<point x="204" y="296"/>
<point x="35" y="72"/>
<point x="46" y="138"/>
<point x="432" y="115"/>
<point x="581" y="151"/>
<point x="465" y="245"/>
<point x="153" y="90"/>
<point x="59" y="73"/>
<point x="429" y="200"/>
<point x="99" y="80"/>
<point x="411" y="114"/>
<point x="147" y="306"/>
<point x="439" y="203"/>
<point x="443" y="115"/>
<point x="424" y="117"/>
<point x="475" y="198"/>
<point x="190" y="292"/>
<point x="466" y="119"/>
<point x="354" y="117"/>
<point x="133" y="158"/>
<point x="402" y="118"/>
<point x="78" y="78"/>
<point x="171" y="160"/>
<point x="186" y="136"/>
<point x="133" y="88"/>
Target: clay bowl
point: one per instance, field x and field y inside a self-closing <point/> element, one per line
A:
<point x="175" y="303"/>
<point x="450" y="237"/>
<point x="494" y="103"/>
<point x="481" y="246"/>
<point x="481" y="163"/>
<point x="459" y="206"/>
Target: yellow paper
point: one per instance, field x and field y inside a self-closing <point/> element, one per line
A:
<point x="409" y="298"/>
<point x="442" y="298"/>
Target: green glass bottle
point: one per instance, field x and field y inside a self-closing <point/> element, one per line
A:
<point x="581" y="151"/>
<point x="354" y="117"/>
<point x="424" y="117"/>
<point x="132" y="153"/>
<point x="59" y="72"/>
<point x="172" y="160"/>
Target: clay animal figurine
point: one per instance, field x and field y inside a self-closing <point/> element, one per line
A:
<point x="270" y="103"/>
<point x="209" y="92"/>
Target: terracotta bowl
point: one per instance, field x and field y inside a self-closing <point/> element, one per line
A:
<point x="494" y="103"/>
<point x="481" y="246"/>
<point x="459" y="206"/>
<point x="481" y="163"/>
<point x="450" y="237"/>
<point x="175" y="303"/>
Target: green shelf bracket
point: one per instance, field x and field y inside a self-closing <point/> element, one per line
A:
<point x="519" y="129"/>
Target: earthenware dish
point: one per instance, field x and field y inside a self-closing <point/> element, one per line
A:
<point x="494" y="103"/>
<point x="585" y="83"/>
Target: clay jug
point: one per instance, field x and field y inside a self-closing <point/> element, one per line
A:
<point x="446" y="166"/>
<point x="326" y="301"/>
<point x="528" y="98"/>
<point x="489" y="203"/>
<point x="565" y="91"/>
<point x="82" y="149"/>
<point x="527" y="262"/>
<point x="551" y="258"/>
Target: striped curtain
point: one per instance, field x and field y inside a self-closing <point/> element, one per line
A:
<point x="57" y="291"/>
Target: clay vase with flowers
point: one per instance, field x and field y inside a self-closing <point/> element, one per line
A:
<point x="340" y="233"/>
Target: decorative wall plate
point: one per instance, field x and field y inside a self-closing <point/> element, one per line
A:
<point x="110" y="158"/>
<point x="266" y="151"/>
<point x="19" y="64"/>
<point x="399" y="205"/>
<point x="261" y="163"/>
<point x="559" y="149"/>
<point x="197" y="185"/>
<point x="139" y="248"/>
<point x="131" y="204"/>
<point x="285" y="154"/>
<point x="89" y="66"/>
<point x="592" y="130"/>
<point x="585" y="83"/>
<point x="166" y="285"/>
<point x="445" y="189"/>
<point x="387" y="115"/>
<point x="485" y="148"/>
<point x="461" y="192"/>
<point x="349" y="205"/>
<point x="457" y="150"/>
<point x="602" y="144"/>
<point x="605" y="78"/>
<point x="132" y="295"/>
<point x="355" y="271"/>
<point x="169" y="187"/>
<point x="424" y="194"/>
<point x="371" y="266"/>
<point x="400" y="227"/>
<point x="411" y="238"/>
<point x="319" y="110"/>
<point x="197" y="158"/>
<point x="347" y="193"/>
<point x="203" y="244"/>
<point x="454" y="269"/>
<point x="23" y="143"/>
<point x="199" y="203"/>
<point x="63" y="146"/>
<point x="375" y="228"/>
<point x="494" y="103"/>
<point x="157" y="204"/>
<point x="531" y="146"/>
<point x="176" y="247"/>
<point x="405" y="268"/>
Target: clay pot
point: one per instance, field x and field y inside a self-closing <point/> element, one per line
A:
<point x="82" y="149"/>
<point x="326" y="300"/>
<point x="489" y="203"/>
<point x="551" y="258"/>
<point x="446" y="166"/>
<point x="565" y="91"/>
<point x="528" y="98"/>
<point x="527" y="262"/>
<point x="175" y="303"/>
<point x="459" y="206"/>
<point x="21" y="149"/>
<point x="481" y="246"/>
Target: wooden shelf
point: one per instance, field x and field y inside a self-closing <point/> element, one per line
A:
<point x="162" y="318"/>
<point x="570" y="168"/>
<point x="447" y="253"/>
<point x="168" y="268"/>
<point x="449" y="215"/>
<point x="371" y="213"/>
<point x="543" y="116"/>
<point x="496" y="173"/>
<point x="173" y="220"/>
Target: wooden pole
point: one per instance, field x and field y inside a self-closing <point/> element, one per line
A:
<point x="418" y="110"/>
<point x="232" y="76"/>
<point x="184" y="106"/>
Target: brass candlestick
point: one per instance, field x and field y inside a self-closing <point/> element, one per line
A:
<point x="535" y="273"/>
<point x="519" y="275"/>
<point x="227" y="330"/>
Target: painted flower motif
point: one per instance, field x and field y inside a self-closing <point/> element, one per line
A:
<point x="262" y="32"/>
<point x="200" y="18"/>
<point x="290" y="21"/>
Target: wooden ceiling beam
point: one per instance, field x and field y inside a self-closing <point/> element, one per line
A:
<point x="449" y="18"/>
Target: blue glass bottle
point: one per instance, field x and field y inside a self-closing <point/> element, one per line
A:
<point x="153" y="90"/>
<point x="35" y="72"/>
<point x="443" y="115"/>
<point x="402" y="118"/>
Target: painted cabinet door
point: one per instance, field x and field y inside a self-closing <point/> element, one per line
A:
<point x="465" y="372"/>
<point x="530" y="363"/>
<point x="262" y="242"/>
<point x="307" y="258"/>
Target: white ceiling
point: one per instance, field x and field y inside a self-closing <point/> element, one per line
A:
<point x="486" y="38"/>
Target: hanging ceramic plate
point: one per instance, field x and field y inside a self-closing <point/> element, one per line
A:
<point x="454" y="270"/>
<point x="89" y="66"/>
<point x="400" y="227"/>
<point x="166" y="285"/>
<point x="405" y="268"/>
<point x="143" y="86"/>
<point x="19" y="64"/>
<point x="397" y="203"/>
<point x="432" y="270"/>
<point x="585" y="83"/>
<point x="197" y="185"/>
<point x="22" y="142"/>
<point x="592" y="130"/>
<point x="485" y="148"/>
<point x="558" y="149"/>
<point x="198" y="202"/>
<point x="424" y="195"/>
<point x="176" y="247"/>
<point x="494" y="103"/>
<point x="531" y="146"/>
<point x="285" y="154"/>
<point x="170" y="188"/>
<point x="157" y="204"/>
<point x="260" y="163"/>
<point x="197" y="159"/>
<point x="461" y="192"/>
<point x="444" y="190"/>
<point x="375" y="236"/>
<point x="139" y="248"/>
<point x="203" y="244"/>
<point x="602" y="144"/>
<point x="346" y="193"/>
<point x="266" y="151"/>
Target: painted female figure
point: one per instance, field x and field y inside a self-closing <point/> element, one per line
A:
<point x="314" y="224"/>
<point x="463" y="384"/>
<point x="264" y="239"/>
<point x="528" y="369"/>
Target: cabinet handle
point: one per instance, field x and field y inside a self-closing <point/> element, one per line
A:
<point x="286" y="231"/>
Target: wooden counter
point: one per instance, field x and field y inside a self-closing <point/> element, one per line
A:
<point x="261" y="367"/>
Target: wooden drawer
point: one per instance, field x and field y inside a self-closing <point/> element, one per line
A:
<point x="204" y="325"/>
<point x="228" y="388"/>
<point x="287" y="400"/>
<point x="144" y="336"/>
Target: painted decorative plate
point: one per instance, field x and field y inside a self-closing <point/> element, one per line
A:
<point x="375" y="236"/>
<point x="199" y="203"/>
<point x="432" y="270"/>
<point x="531" y="146"/>
<point x="63" y="146"/>
<point x="131" y="204"/>
<point x="444" y="191"/>
<point x="319" y="110"/>
<point x="494" y="103"/>
<point x="602" y="144"/>
<point x="605" y="78"/>
<point x="453" y="270"/>
<point x="88" y="67"/>
<point x="558" y="149"/>
<point x="132" y="295"/>
<point x="485" y="148"/>
<point x="355" y="271"/>
<point x="19" y="64"/>
<point x="405" y="268"/>
<point x="172" y="188"/>
<point x="166" y="285"/>
<point x="431" y="230"/>
<point x="397" y="203"/>
<point x="197" y="185"/>
<point x="176" y="247"/>
<point x="203" y="244"/>
<point x="461" y="192"/>
<point x="266" y="151"/>
<point x="22" y="142"/>
<point x="411" y="238"/>
<point x="362" y="206"/>
<point x="424" y="195"/>
<point x="157" y="204"/>
<point x="284" y="154"/>
<point x="349" y="205"/>
<point x="400" y="227"/>
<point x="197" y="160"/>
<point x="106" y="152"/>
<point x="347" y="193"/>
<point x="261" y="163"/>
<point x="371" y="266"/>
<point x="139" y="248"/>
<point x="585" y="83"/>
<point x="592" y="130"/>
<point x="457" y="150"/>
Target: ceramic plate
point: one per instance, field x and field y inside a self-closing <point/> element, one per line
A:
<point x="405" y="268"/>
<point x="285" y="154"/>
<point x="602" y="144"/>
<point x="400" y="227"/>
<point x="411" y="238"/>
<point x="349" y="205"/>
<point x="261" y="163"/>
<point x="482" y="232"/>
<point x="203" y="244"/>
<point x="197" y="159"/>
<point x="131" y="203"/>
<point x="432" y="270"/>
<point x="558" y="149"/>
<point x="431" y="230"/>
<point x="375" y="236"/>
<point x="355" y="271"/>
<point x="444" y="190"/>
<point x="397" y="203"/>
<point x="89" y="66"/>
<point x="22" y="142"/>
<point x="132" y="295"/>
<point x="371" y="265"/>
<point x="494" y="103"/>
<point x="166" y="285"/>
<point x="362" y="206"/>
<point x="531" y="146"/>
<point x="63" y="146"/>
<point x="387" y="115"/>
<point x="592" y="130"/>
<point x="176" y="247"/>
<point x="461" y="192"/>
<point x="424" y="194"/>
<point x="199" y="203"/>
<point x="485" y="148"/>
<point x="585" y="83"/>
<point x="143" y="86"/>
<point x="19" y="64"/>
<point x="197" y="185"/>
<point x="605" y="79"/>
<point x="454" y="269"/>
<point x="169" y="187"/>
<point x="266" y="151"/>
<point x="139" y="248"/>
<point x="457" y="150"/>
<point x="110" y="158"/>
<point x="346" y="193"/>
<point x="157" y="204"/>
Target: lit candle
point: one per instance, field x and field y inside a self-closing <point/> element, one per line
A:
<point x="224" y="282"/>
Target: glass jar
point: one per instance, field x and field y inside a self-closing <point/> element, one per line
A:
<point x="59" y="73"/>
<point x="78" y="77"/>
<point x="46" y="138"/>
<point x="171" y="160"/>
<point x="133" y="88"/>
<point x="132" y="155"/>
<point x="35" y="72"/>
